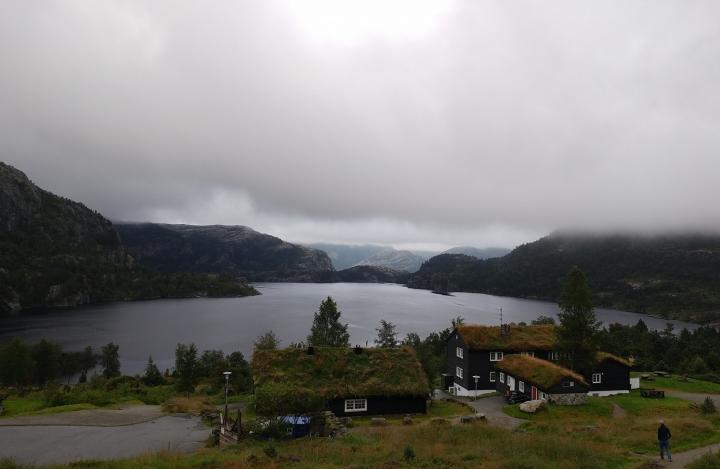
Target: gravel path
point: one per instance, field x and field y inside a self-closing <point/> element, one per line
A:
<point x="490" y="406"/>
<point x="98" y="434"/>
<point x="129" y="415"/>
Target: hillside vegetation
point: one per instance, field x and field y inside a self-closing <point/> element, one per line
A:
<point x="672" y="276"/>
<point x="55" y="252"/>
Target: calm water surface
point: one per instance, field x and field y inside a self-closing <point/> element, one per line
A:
<point x="154" y="328"/>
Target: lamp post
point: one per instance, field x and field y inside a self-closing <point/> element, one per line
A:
<point x="227" y="383"/>
<point x="476" y="378"/>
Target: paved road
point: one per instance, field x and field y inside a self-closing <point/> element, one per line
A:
<point x="58" y="444"/>
<point x="128" y="415"/>
<point x="697" y="398"/>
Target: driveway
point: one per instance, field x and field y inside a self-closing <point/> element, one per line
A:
<point x="490" y="406"/>
<point x="36" y="443"/>
<point x="697" y="398"/>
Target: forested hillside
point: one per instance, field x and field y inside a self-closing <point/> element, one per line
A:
<point x="674" y="276"/>
<point x="55" y="252"/>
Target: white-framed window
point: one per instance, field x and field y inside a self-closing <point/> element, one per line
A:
<point x="459" y="352"/>
<point x="492" y="376"/>
<point x="496" y="356"/>
<point x="458" y="372"/>
<point x="502" y="377"/>
<point x="528" y="354"/>
<point x="543" y="395"/>
<point x="597" y="378"/>
<point x="521" y="386"/>
<point x="355" y="405"/>
<point x="554" y="356"/>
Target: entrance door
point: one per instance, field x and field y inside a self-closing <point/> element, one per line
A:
<point x="534" y="393"/>
<point x="511" y="383"/>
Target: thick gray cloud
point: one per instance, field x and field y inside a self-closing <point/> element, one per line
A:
<point x="408" y="122"/>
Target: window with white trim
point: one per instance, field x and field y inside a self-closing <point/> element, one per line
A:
<point x="496" y="356"/>
<point x="459" y="352"/>
<point x="502" y="377"/>
<point x="458" y="372"/>
<point x="528" y="354"/>
<point x="355" y="405"/>
<point x="492" y="376"/>
<point x="597" y="378"/>
<point x="554" y="356"/>
<point x="543" y="395"/>
<point x="521" y="386"/>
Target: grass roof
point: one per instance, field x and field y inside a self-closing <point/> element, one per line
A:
<point x="340" y="372"/>
<point x="602" y="356"/>
<point x="540" y="337"/>
<point x="541" y="373"/>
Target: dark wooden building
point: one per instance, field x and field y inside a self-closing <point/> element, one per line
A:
<point x="610" y="376"/>
<point x="370" y="381"/>
<point x="474" y="350"/>
<point x="536" y="378"/>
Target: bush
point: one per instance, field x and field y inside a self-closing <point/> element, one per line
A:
<point x="408" y="453"/>
<point x="708" y="406"/>
<point x="270" y="450"/>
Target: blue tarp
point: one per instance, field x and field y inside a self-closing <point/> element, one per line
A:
<point x="300" y="425"/>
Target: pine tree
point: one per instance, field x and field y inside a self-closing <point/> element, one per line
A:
<point x="267" y="341"/>
<point x="387" y="336"/>
<point x="152" y="377"/>
<point x="110" y="360"/>
<point x="186" y="368"/>
<point x="578" y="330"/>
<point x="327" y="329"/>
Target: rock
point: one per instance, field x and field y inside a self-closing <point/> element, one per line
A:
<point x="481" y="417"/>
<point x="346" y="421"/>
<point x="531" y="407"/>
<point x="407" y="420"/>
<point x="468" y="419"/>
<point x="378" y="422"/>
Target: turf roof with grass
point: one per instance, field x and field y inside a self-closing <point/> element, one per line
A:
<point x="340" y="372"/>
<point x="542" y="373"/>
<point x="533" y="337"/>
<point x="602" y="356"/>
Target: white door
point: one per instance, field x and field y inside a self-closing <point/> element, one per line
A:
<point x="511" y="383"/>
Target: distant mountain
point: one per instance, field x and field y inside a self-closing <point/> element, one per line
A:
<point x="344" y="256"/>
<point x="372" y="274"/>
<point x="394" y="259"/>
<point x="479" y="253"/>
<point x="58" y="253"/>
<point x="236" y="251"/>
<point x="672" y="276"/>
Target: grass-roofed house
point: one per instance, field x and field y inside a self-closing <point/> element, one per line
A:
<point x="346" y="381"/>
<point x="474" y="352"/>
<point x="540" y="379"/>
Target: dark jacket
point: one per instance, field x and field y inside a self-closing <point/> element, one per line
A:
<point x="663" y="433"/>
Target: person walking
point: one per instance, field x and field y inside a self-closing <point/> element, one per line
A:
<point x="663" y="436"/>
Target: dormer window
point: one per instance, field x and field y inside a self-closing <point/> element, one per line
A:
<point x="554" y="356"/>
<point x="528" y="354"/>
<point x="496" y="356"/>
<point x="459" y="352"/>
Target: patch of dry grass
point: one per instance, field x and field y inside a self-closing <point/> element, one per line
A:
<point x="537" y="371"/>
<point x="521" y="338"/>
<point x="184" y="405"/>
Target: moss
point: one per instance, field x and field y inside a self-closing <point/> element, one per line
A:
<point x="340" y="372"/>
<point x="602" y="356"/>
<point x="539" y="372"/>
<point x="538" y="337"/>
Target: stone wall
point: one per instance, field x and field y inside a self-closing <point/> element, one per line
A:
<point x="568" y="399"/>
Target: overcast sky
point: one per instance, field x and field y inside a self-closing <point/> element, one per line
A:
<point x="416" y="123"/>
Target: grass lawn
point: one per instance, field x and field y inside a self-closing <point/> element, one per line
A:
<point x="635" y="432"/>
<point x="461" y="446"/>
<point x="675" y="383"/>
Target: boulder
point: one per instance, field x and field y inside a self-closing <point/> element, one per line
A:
<point x="407" y="420"/>
<point x="531" y="407"/>
<point x="468" y="418"/>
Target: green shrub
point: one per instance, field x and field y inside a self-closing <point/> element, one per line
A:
<point x="408" y="453"/>
<point x="708" y="406"/>
<point x="270" y="450"/>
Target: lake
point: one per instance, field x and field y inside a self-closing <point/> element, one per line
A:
<point x="154" y="328"/>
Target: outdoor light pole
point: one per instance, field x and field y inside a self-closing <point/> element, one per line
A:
<point x="476" y="377"/>
<point x="227" y="382"/>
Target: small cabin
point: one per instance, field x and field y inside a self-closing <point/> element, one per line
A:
<point x="349" y="382"/>
<point x="610" y="376"/>
<point x="536" y="378"/>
